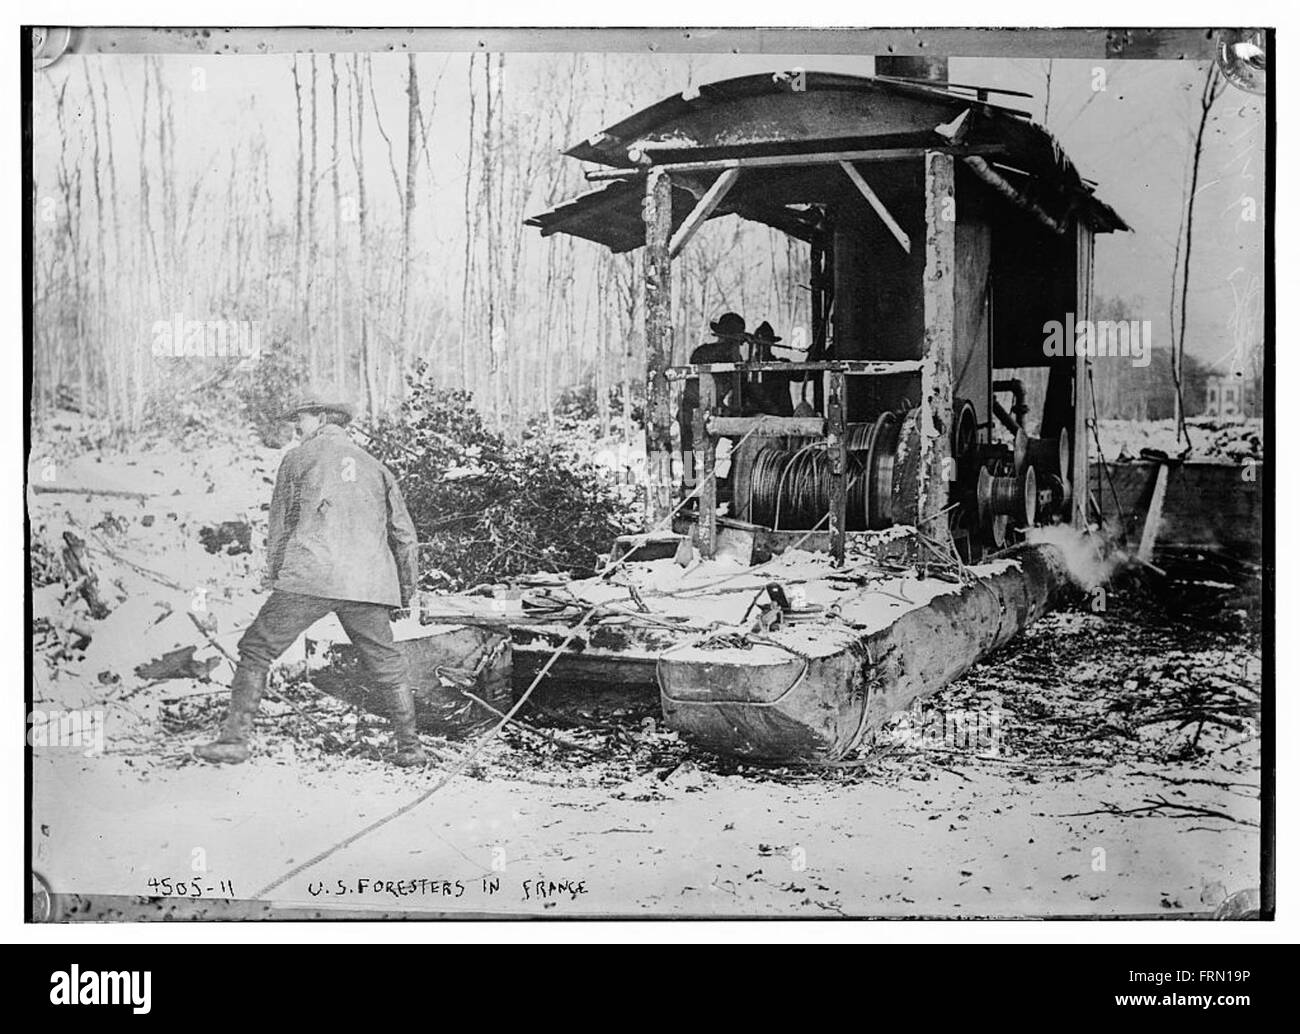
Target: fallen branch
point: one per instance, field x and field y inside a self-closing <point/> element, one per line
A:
<point x="1225" y="784"/>
<point x="551" y="738"/>
<point x="120" y="493"/>
<point x="74" y="560"/>
<point x="1018" y="762"/>
<point x="1155" y="805"/>
<point x="102" y="547"/>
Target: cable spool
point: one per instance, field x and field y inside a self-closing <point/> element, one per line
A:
<point x="857" y="437"/>
<point x="786" y="484"/>
<point x="905" y="470"/>
<point x="790" y="488"/>
<point x="804" y="479"/>
<point x="1014" y="497"/>
<point x="1045" y="455"/>
<point x="965" y="430"/>
<point x="1060" y="489"/>
<point x="880" y="471"/>
<point x="861" y="445"/>
<point x="766" y="470"/>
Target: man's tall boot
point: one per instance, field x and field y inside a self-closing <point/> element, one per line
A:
<point x="407" y="750"/>
<point x="231" y="747"/>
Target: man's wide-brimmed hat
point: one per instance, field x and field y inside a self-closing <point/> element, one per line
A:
<point x="729" y="325"/>
<point x="764" y="334"/>
<point x="312" y="403"/>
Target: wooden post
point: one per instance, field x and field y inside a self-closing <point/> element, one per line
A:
<point x="706" y="458"/>
<point x="742" y="471"/>
<point x="836" y="447"/>
<point x="1155" y="514"/>
<point x="878" y="206"/>
<point x="1082" y="390"/>
<point x="940" y="287"/>
<point x="658" y="214"/>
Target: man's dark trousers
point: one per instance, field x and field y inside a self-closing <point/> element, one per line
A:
<point x="286" y="615"/>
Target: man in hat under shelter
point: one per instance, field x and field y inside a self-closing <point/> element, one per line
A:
<point x="339" y="540"/>
<point x="728" y="336"/>
<point x="767" y="392"/>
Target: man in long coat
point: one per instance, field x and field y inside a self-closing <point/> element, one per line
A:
<point x="340" y="540"/>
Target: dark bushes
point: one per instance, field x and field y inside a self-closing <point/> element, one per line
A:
<point x="486" y="508"/>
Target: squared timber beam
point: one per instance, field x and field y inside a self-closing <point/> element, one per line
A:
<point x="786" y="161"/>
<point x="864" y="188"/>
<point x="765" y="426"/>
<point x="702" y="210"/>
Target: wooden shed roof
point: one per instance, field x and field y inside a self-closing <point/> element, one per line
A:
<point x="760" y="116"/>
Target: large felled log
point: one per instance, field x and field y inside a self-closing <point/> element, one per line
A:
<point x="449" y="665"/>
<point x="814" y="700"/>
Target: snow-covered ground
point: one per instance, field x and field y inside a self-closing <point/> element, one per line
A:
<point x="1228" y="440"/>
<point x="1103" y="763"/>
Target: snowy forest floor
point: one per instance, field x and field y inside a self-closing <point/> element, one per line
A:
<point x="1103" y="763"/>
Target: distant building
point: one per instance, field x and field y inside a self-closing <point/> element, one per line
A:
<point x="1225" y="396"/>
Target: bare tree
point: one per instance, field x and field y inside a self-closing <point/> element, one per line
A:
<point x="408" y="204"/>
<point x="1210" y="92"/>
<point x="309" y="273"/>
<point x="336" y="287"/>
<point x="471" y="218"/>
<point x="297" y="206"/>
<point x="357" y="143"/>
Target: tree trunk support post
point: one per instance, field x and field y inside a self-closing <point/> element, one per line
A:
<point x="836" y="447"/>
<point x="1082" y="386"/>
<point x="706" y="458"/>
<point x="939" y="287"/>
<point x="658" y="216"/>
